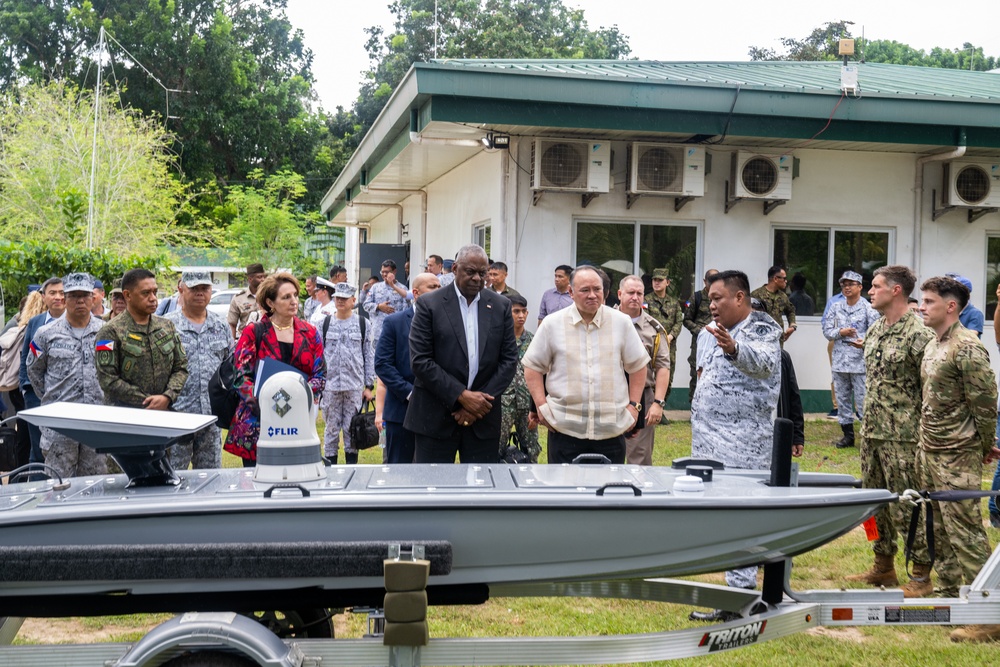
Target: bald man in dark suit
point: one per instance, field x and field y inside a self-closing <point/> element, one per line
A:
<point x="463" y="355"/>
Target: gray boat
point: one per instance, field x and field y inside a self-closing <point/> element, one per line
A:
<point x="156" y="540"/>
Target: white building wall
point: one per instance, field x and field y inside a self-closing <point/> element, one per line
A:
<point x="834" y="189"/>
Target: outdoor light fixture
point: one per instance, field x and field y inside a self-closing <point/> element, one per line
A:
<point x="496" y="141"/>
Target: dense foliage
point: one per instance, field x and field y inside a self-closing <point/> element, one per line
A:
<point x="822" y="44"/>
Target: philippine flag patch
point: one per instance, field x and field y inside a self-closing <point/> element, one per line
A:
<point x="104" y="345"/>
<point x="34" y="349"/>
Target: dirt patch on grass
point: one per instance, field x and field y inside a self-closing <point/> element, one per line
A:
<point x="73" y="631"/>
<point x="842" y="634"/>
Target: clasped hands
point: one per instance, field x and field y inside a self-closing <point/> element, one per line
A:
<point x="475" y="406"/>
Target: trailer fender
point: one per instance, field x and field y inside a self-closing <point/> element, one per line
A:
<point x="225" y="631"/>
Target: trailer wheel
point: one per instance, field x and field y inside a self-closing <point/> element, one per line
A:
<point x="297" y="623"/>
<point x="209" y="659"/>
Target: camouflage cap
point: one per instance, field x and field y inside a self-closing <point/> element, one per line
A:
<point x="117" y="288"/>
<point x="344" y="290"/>
<point x="851" y="275"/>
<point x="78" y="282"/>
<point x="195" y="278"/>
<point x="660" y="273"/>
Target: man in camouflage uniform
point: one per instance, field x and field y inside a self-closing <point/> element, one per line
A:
<point x="60" y="365"/>
<point x="668" y="312"/>
<point x="385" y="298"/>
<point x="350" y="370"/>
<point x="732" y="416"/>
<point x="515" y="403"/>
<point x="207" y="340"/>
<point x="696" y="315"/>
<point x="893" y="350"/>
<point x="957" y="425"/>
<point x="655" y="338"/>
<point x="140" y="359"/>
<point x="244" y="304"/>
<point x="776" y="302"/>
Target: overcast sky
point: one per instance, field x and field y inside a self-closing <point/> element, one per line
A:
<point x="657" y="30"/>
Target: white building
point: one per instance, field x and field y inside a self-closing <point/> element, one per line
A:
<point x="635" y="165"/>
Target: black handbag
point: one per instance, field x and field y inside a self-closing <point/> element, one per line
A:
<point x="8" y="449"/>
<point x="512" y="452"/>
<point x="364" y="435"/>
<point x="223" y="388"/>
<point x="223" y="394"/>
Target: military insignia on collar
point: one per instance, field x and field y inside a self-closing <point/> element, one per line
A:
<point x="281" y="405"/>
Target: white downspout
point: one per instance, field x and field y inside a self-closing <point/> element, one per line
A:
<point x="918" y="195"/>
<point x="423" y="211"/>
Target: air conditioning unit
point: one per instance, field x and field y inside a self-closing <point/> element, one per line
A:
<point x="972" y="184"/>
<point x="666" y="169"/>
<point x="761" y="176"/>
<point x="566" y="165"/>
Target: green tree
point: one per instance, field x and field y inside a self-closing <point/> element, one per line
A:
<point x="268" y="225"/>
<point x="46" y="149"/>
<point x="822" y="44"/>
<point x="476" y="29"/>
<point x="237" y="76"/>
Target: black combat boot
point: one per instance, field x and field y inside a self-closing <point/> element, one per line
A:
<point x="352" y="458"/>
<point x="848" y="439"/>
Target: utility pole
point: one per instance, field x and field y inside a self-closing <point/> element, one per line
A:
<point x="91" y="208"/>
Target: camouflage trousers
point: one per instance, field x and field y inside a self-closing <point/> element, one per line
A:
<point x="886" y="464"/>
<point x="960" y="541"/>
<point x="338" y="408"/>
<point x="203" y="449"/>
<point x="517" y="419"/>
<point x="70" y="458"/>
<point x="673" y="365"/>
<point x="692" y="365"/>
<point x="850" y="391"/>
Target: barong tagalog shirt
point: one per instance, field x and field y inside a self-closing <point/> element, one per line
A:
<point x="733" y="411"/>
<point x="585" y="366"/>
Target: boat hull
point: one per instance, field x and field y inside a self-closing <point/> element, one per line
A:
<point x="219" y="533"/>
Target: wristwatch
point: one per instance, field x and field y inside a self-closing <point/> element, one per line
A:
<point x="659" y="401"/>
<point x="736" y="351"/>
<point x="637" y="405"/>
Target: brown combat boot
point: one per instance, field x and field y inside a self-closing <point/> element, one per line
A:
<point x="919" y="585"/>
<point x="976" y="633"/>
<point x="882" y="573"/>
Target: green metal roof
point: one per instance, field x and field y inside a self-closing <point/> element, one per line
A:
<point x="768" y="103"/>
<point x="875" y="78"/>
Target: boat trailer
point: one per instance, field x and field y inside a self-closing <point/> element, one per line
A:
<point x="231" y="639"/>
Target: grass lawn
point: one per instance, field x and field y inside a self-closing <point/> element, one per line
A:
<point x="823" y="568"/>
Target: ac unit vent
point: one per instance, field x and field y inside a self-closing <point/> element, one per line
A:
<point x="761" y="176"/>
<point x="562" y="165"/>
<point x="665" y="169"/>
<point x="972" y="184"/>
<point x="659" y="169"/>
<point x="570" y="166"/>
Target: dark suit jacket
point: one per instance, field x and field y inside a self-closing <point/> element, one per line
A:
<point x="392" y="364"/>
<point x="440" y="361"/>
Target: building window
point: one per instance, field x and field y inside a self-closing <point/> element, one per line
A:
<point x="612" y="246"/>
<point x="992" y="275"/>
<point x="822" y="256"/>
<point x="481" y="236"/>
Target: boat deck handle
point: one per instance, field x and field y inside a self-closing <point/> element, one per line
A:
<point x="599" y="459"/>
<point x="304" y="490"/>
<point x="636" y="491"/>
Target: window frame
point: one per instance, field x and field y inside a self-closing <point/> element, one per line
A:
<point x="637" y="223"/>
<point x="831" y="250"/>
